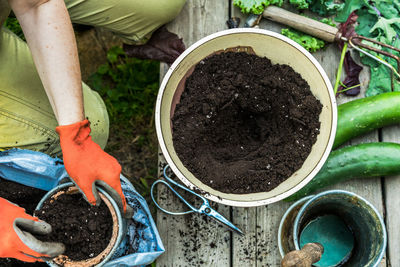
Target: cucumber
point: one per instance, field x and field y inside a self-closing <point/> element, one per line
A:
<point x="363" y="160"/>
<point x="360" y="116"/>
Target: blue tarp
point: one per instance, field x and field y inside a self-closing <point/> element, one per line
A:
<point x="142" y="244"/>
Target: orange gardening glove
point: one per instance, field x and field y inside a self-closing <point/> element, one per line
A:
<point x="88" y="165"/>
<point x="16" y="239"/>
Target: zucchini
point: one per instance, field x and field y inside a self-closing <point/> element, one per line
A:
<point x="363" y="115"/>
<point x="363" y="160"/>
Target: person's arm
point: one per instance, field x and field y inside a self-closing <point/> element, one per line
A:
<point x="48" y="31"/>
<point x="49" y="34"/>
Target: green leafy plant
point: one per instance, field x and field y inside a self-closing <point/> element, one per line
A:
<point x="309" y="42"/>
<point x="128" y="86"/>
<point x="255" y="6"/>
<point x="328" y="21"/>
<point x="349" y="7"/>
<point x="325" y="7"/>
<point x="322" y="7"/>
<point x="379" y="21"/>
<point x="13" y="25"/>
<point x="129" y="89"/>
<point x="299" y="4"/>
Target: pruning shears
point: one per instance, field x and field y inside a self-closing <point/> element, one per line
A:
<point x="205" y="208"/>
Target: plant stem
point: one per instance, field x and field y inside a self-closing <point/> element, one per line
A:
<point x="339" y="72"/>
<point x="348" y="88"/>
<point x="342" y="84"/>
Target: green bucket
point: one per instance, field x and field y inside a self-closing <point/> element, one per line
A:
<point x="348" y="226"/>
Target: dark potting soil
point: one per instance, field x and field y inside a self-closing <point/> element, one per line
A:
<point x="85" y="230"/>
<point x="244" y="125"/>
<point x="24" y="196"/>
<point x="28" y="198"/>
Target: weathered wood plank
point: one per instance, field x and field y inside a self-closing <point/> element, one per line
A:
<point x="245" y="247"/>
<point x="259" y="247"/>
<point x="370" y="189"/>
<point x="392" y="202"/>
<point x="194" y="240"/>
<point x="268" y="219"/>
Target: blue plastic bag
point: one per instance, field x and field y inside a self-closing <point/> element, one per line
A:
<point x="31" y="168"/>
<point x="142" y="244"/>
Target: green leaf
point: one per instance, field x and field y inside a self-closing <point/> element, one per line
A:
<point x="349" y="6"/>
<point x="325" y="7"/>
<point x="387" y="9"/>
<point x="309" y="42"/>
<point x="328" y="21"/>
<point x="114" y="53"/>
<point x="366" y="21"/>
<point x="255" y="6"/>
<point x="144" y="182"/>
<point x="128" y="86"/>
<point x="103" y="69"/>
<point x="299" y="4"/>
<point x="13" y="25"/>
<point x="381" y="81"/>
<point x="385" y="29"/>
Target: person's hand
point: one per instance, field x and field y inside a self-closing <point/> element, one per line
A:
<point x="16" y="239"/>
<point x="163" y="45"/>
<point x="88" y="165"/>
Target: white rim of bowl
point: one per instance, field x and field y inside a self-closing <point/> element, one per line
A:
<point x="254" y="203"/>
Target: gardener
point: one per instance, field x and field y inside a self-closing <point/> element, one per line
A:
<point x="29" y="119"/>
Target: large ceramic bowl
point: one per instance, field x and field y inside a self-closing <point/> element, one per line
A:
<point x="278" y="49"/>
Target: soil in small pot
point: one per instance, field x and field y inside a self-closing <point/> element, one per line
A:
<point x="25" y="197"/>
<point x="244" y="125"/>
<point x="85" y="230"/>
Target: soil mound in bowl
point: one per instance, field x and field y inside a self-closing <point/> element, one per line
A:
<point x="85" y="230"/>
<point x="244" y="125"/>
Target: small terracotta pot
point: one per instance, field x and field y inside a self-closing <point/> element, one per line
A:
<point x="117" y="230"/>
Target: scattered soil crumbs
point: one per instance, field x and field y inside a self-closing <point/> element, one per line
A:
<point x="83" y="229"/>
<point x="26" y="197"/>
<point x="244" y="125"/>
<point x="202" y="238"/>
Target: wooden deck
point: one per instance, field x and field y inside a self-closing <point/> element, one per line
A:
<point x="193" y="240"/>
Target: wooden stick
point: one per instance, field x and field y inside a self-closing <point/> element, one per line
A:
<point x="301" y="23"/>
<point x="309" y="254"/>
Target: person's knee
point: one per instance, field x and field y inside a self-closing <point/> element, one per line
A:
<point x="148" y="16"/>
<point x="156" y="11"/>
<point x="96" y="112"/>
<point x="167" y="10"/>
